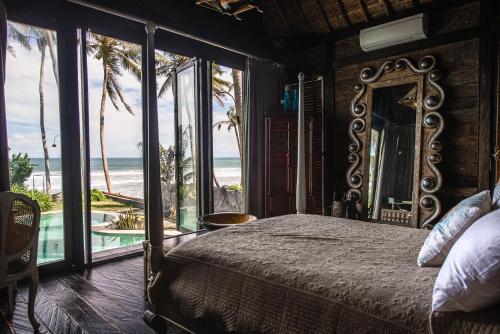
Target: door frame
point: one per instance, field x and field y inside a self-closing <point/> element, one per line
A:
<point x="70" y="146"/>
<point x="203" y="142"/>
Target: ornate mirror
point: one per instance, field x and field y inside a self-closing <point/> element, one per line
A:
<point x="393" y="175"/>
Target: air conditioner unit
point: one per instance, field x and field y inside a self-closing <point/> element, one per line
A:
<point x="401" y="31"/>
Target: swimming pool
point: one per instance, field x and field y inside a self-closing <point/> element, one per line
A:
<point x="51" y="238"/>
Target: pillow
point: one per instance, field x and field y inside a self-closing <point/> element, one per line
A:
<point x="470" y="277"/>
<point x="495" y="201"/>
<point x="450" y="228"/>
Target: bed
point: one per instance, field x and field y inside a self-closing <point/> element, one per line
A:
<point x="306" y="274"/>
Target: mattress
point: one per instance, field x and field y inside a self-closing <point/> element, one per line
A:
<point x="305" y="274"/>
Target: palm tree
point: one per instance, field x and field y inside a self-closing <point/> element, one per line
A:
<point x="23" y="34"/>
<point x="238" y="105"/>
<point x="232" y="122"/>
<point x="114" y="55"/>
<point x="166" y="63"/>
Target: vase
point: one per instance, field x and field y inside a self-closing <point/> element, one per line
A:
<point x="296" y="100"/>
<point x="287" y="104"/>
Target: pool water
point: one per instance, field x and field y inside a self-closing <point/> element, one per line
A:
<point x="51" y="237"/>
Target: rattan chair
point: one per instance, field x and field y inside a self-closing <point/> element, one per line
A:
<point x="19" y="227"/>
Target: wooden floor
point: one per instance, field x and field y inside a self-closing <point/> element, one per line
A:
<point x="106" y="299"/>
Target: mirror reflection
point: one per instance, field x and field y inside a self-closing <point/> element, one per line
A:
<point x="392" y="153"/>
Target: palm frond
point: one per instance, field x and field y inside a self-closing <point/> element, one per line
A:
<point x="129" y="57"/>
<point x="20" y="33"/>
<point x="118" y="91"/>
<point x="111" y="91"/>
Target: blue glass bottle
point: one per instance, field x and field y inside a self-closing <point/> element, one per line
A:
<point x="296" y="100"/>
<point x="287" y="105"/>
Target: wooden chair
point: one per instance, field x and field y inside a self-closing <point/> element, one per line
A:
<point x="19" y="228"/>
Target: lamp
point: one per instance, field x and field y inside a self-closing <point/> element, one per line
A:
<point x="54" y="143"/>
<point x="410" y="99"/>
<point x="229" y="7"/>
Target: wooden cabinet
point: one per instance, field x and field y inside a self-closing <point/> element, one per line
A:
<point x="281" y="159"/>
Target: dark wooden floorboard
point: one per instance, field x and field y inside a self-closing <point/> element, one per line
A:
<point x="106" y="299"/>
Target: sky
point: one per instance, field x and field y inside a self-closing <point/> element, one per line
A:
<point x="123" y="131"/>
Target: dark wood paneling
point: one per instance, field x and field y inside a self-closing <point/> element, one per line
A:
<point x="486" y="69"/>
<point x="281" y="158"/>
<point x="461" y="113"/>
<point x="497" y="147"/>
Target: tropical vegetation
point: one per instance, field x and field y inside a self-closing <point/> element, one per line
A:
<point x="45" y="39"/>
<point x="44" y="200"/>
<point x="117" y="57"/>
<point x="97" y="196"/>
<point x="20" y="168"/>
<point x="127" y="220"/>
<point x="114" y="56"/>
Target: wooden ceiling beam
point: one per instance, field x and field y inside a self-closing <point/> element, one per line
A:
<point x="346" y="18"/>
<point x="387" y="6"/>
<point x="325" y="16"/>
<point x="364" y="10"/>
<point x="283" y="16"/>
<point x="297" y="2"/>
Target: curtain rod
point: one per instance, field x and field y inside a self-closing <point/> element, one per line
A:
<point x="162" y="27"/>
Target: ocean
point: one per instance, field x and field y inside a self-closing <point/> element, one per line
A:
<point x="126" y="174"/>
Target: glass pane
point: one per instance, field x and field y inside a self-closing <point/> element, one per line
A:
<point x="227" y="106"/>
<point x="32" y="101"/>
<point x="166" y="65"/>
<point x="392" y="153"/>
<point x="187" y="148"/>
<point x="115" y="139"/>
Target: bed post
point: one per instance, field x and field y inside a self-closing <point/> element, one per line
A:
<point x="155" y="209"/>
<point x="300" y="192"/>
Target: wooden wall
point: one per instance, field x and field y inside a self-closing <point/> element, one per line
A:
<point x="497" y="147"/>
<point x="461" y="114"/>
<point x="457" y="41"/>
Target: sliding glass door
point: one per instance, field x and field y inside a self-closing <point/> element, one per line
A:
<point x="33" y="120"/>
<point x="186" y="159"/>
<point x="90" y="184"/>
<point x="114" y="138"/>
<point x="227" y="139"/>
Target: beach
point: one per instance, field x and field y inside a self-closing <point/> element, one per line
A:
<point x="126" y="174"/>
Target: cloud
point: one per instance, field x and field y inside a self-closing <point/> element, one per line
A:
<point x="123" y="131"/>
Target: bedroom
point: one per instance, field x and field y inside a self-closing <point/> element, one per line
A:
<point x="397" y="114"/>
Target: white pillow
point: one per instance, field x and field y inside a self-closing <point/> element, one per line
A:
<point x="450" y="228"/>
<point x="495" y="201"/>
<point x="470" y="277"/>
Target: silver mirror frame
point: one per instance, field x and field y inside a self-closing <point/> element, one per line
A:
<point x="430" y="178"/>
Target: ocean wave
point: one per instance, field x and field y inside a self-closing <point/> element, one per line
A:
<point x="129" y="182"/>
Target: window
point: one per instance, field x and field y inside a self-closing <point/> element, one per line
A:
<point x="165" y="71"/>
<point x="115" y="140"/>
<point x="227" y="116"/>
<point x="32" y="103"/>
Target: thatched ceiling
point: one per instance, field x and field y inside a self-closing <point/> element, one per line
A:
<point x="291" y="23"/>
<point x="287" y="19"/>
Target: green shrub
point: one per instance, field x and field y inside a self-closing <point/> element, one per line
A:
<point x="235" y="187"/>
<point x="44" y="200"/>
<point x="20" y="168"/>
<point x="97" y="196"/>
<point x="127" y="220"/>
